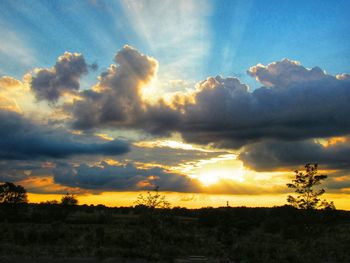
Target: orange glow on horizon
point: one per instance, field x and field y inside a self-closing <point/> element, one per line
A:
<point x="189" y="200"/>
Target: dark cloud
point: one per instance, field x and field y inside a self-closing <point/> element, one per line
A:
<point x="272" y="155"/>
<point x="12" y="171"/>
<point x="23" y="139"/>
<point x="51" y="84"/>
<point x="116" y="99"/>
<point x="228" y="115"/>
<point x="299" y="104"/>
<point x="169" y="156"/>
<point x="339" y="181"/>
<point x="105" y="177"/>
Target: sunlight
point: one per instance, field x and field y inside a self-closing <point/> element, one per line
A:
<point x="178" y="37"/>
<point x="213" y="176"/>
<point x="174" y="143"/>
<point x="224" y="167"/>
<point x="208" y="178"/>
<point x="150" y="92"/>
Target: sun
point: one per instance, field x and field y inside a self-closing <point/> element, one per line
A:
<point x="225" y="167"/>
<point x="211" y="177"/>
<point x="208" y="178"/>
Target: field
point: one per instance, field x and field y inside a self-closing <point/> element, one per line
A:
<point x="30" y="233"/>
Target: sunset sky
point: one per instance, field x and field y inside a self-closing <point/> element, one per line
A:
<point x="212" y="101"/>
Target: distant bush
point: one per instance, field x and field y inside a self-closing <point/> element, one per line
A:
<point x="69" y="199"/>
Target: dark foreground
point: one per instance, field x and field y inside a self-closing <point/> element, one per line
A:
<point x="66" y="260"/>
<point x="76" y="234"/>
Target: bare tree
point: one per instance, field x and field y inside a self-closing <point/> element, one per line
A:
<point x="152" y="200"/>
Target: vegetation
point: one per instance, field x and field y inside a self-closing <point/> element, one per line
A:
<point x="69" y="199"/>
<point x="12" y="194"/>
<point x="152" y="200"/>
<point x="304" y="184"/>
<point x="229" y="234"/>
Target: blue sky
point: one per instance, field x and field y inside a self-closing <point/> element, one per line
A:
<point x="208" y="38"/>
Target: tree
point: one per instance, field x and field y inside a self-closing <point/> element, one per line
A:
<point x="12" y="194"/>
<point x="69" y="199"/>
<point x="304" y="184"/>
<point x="154" y="221"/>
<point x="152" y="200"/>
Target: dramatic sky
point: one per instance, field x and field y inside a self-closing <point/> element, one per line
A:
<point x="212" y="101"/>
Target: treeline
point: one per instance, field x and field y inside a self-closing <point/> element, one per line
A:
<point x="47" y="212"/>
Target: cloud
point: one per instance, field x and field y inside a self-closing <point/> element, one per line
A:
<point x="7" y="82"/>
<point x="339" y="181"/>
<point x="50" y="84"/>
<point x="185" y="27"/>
<point x="272" y="155"/>
<point x="229" y="115"/>
<point x="13" y="171"/>
<point x="11" y="90"/>
<point x="116" y="99"/>
<point x="287" y="73"/>
<point x="223" y="112"/>
<point x="22" y="139"/>
<point x="46" y="185"/>
<point x="299" y="104"/>
<point x="8" y="104"/>
<point x="105" y="177"/>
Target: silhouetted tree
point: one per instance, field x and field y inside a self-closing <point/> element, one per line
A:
<point x="303" y="184"/>
<point x="12" y="194"/>
<point x="152" y="200"/>
<point x="154" y="221"/>
<point x="69" y="199"/>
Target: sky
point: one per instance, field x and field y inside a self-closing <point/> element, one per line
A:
<point x="212" y="101"/>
